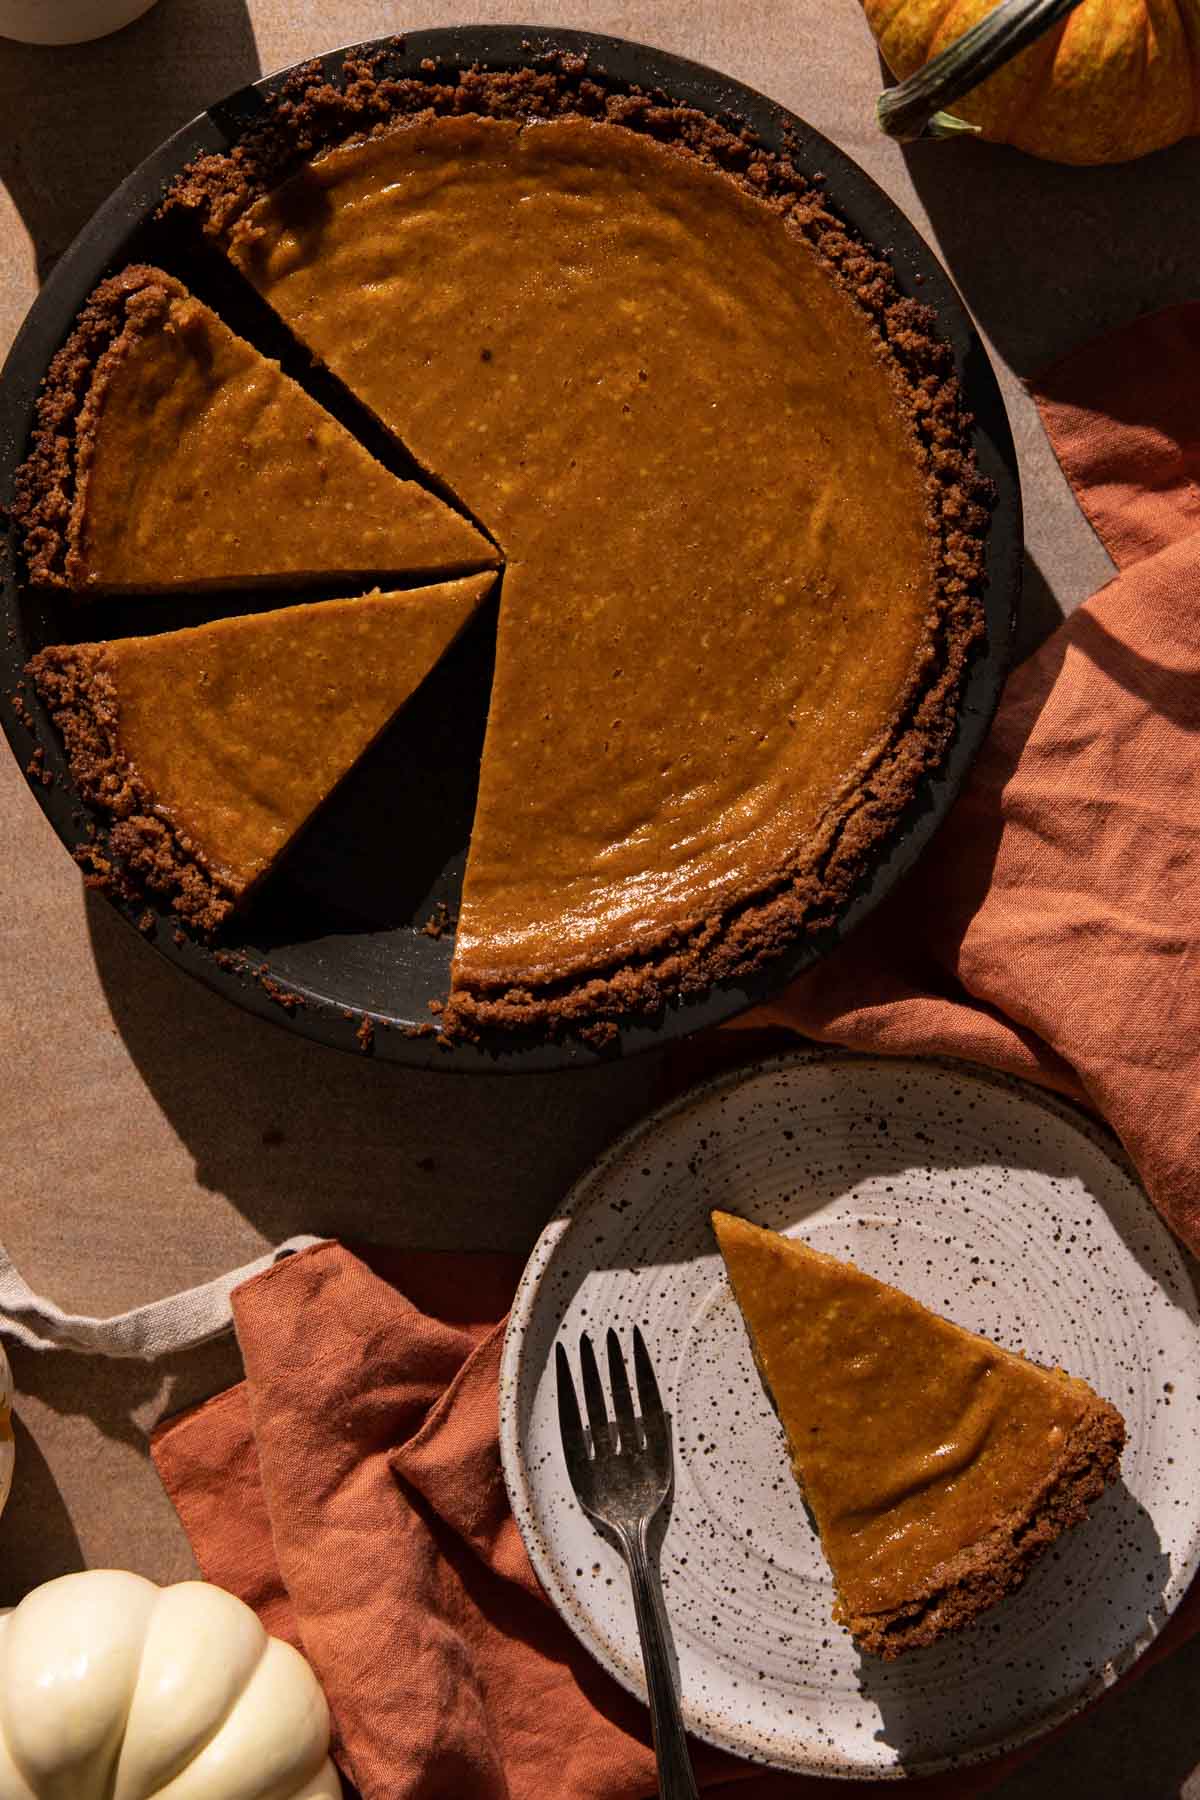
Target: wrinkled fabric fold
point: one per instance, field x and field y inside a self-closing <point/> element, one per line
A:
<point x="351" y="1490"/>
<point x="1122" y="416"/>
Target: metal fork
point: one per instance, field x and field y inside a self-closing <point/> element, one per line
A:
<point x="621" y="1471"/>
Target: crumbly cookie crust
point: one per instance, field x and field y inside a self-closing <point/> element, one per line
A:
<point x="79" y="694"/>
<point x="48" y="492"/>
<point x="984" y="1573"/>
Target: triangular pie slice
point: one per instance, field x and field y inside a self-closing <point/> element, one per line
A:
<point x="170" y="455"/>
<point x="210" y="748"/>
<point x="937" y="1466"/>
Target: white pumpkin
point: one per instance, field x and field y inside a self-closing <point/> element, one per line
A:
<point x="7" y="1447"/>
<point x="114" y="1689"/>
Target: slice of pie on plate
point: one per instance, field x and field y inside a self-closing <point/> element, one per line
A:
<point x="210" y="748"/>
<point x="937" y="1466"/>
<point x="171" y="455"/>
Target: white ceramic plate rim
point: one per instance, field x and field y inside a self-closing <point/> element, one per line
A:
<point x="517" y="1476"/>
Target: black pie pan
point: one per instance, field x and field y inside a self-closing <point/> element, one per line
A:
<point x="337" y="947"/>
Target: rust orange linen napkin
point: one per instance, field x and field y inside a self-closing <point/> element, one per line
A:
<point x="1053" y="929"/>
<point x="350" y="1491"/>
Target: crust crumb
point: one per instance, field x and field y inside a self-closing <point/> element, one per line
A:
<point x="440" y="921"/>
<point x="48" y="484"/>
<point x="275" y="990"/>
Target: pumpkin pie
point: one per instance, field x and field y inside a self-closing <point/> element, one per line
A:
<point x="725" y="463"/>
<point x="169" y="455"/>
<point x="937" y="1466"/>
<point x="210" y="748"/>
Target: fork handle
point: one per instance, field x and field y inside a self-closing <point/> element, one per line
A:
<point x="675" y="1778"/>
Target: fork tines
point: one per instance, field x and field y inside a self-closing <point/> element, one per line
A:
<point x="628" y="1432"/>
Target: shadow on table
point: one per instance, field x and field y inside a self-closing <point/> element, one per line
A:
<point x="1144" y="1741"/>
<point x="37" y="1519"/>
<point x="1047" y="256"/>
<point x="1039" y="614"/>
<point x="299" y="1137"/>
<point x="121" y="1398"/>
<point x="86" y="114"/>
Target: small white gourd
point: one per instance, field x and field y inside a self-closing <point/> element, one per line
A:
<point x="114" y="1689"/>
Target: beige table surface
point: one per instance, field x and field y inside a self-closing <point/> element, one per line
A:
<point x="150" y="1135"/>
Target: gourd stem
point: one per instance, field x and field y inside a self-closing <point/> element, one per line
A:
<point x="905" y="111"/>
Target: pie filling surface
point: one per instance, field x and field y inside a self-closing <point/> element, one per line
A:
<point x="923" y="1450"/>
<point x="723" y="462"/>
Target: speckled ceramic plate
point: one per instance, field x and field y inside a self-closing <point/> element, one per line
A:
<point x="989" y="1201"/>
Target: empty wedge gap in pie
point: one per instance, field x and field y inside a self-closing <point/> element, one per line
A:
<point x="728" y="467"/>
